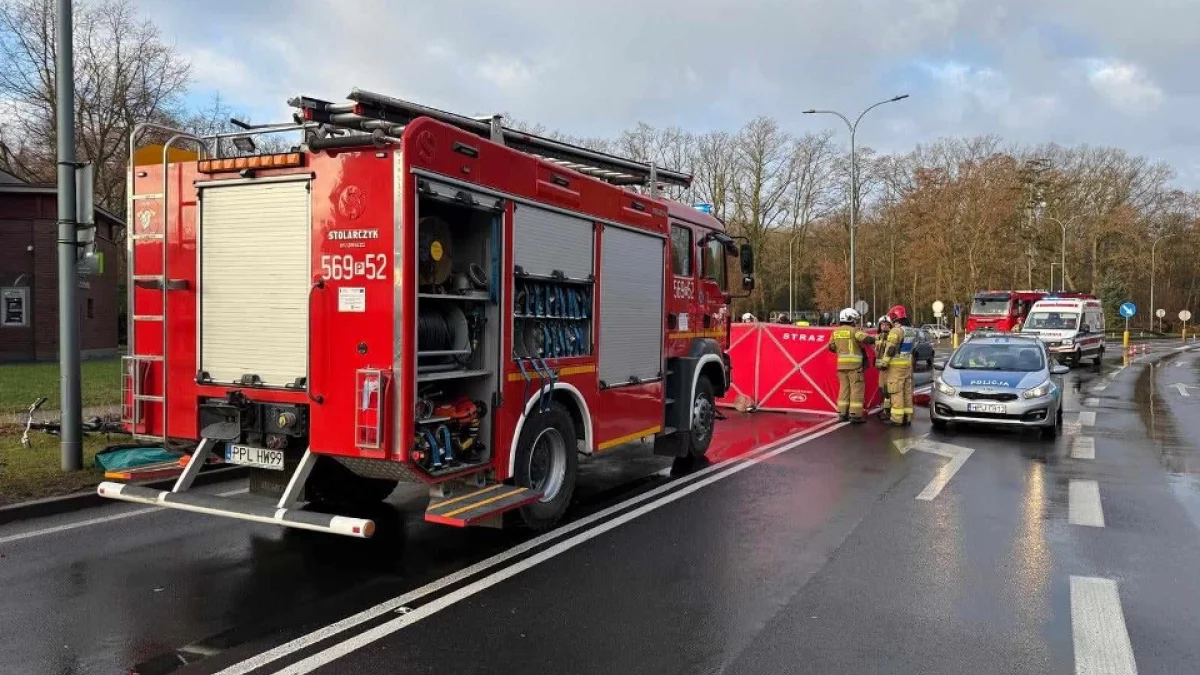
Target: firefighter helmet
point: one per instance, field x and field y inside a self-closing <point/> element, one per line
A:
<point x="848" y="315"/>
<point x="884" y="319"/>
<point x="898" y="312"/>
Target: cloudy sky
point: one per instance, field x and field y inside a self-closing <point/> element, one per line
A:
<point x="1101" y="72"/>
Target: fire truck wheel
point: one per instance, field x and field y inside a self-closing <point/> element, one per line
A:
<point x="332" y="483"/>
<point x="704" y="417"/>
<point x="546" y="462"/>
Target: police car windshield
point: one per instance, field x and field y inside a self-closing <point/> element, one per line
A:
<point x="1052" y="321"/>
<point x="1014" y="357"/>
<point x="985" y="306"/>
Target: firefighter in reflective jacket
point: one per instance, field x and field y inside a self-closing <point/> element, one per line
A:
<point x="898" y="361"/>
<point x="885" y="410"/>
<point x="847" y="342"/>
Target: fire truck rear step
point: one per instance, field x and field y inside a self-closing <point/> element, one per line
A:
<point x="479" y="505"/>
<point x="282" y="513"/>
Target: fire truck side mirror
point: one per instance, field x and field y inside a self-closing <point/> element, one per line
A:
<point x="748" y="283"/>
<point x="746" y="255"/>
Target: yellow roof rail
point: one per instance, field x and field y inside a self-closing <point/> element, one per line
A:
<point x="153" y="154"/>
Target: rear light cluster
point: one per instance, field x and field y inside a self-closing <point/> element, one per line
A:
<point x="370" y="387"/>
<point x="227" y="164"/>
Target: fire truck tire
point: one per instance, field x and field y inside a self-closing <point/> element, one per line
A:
<point x="546" y="461"/>
<point x="704" y="418"/>
<point x="332" y="483"/>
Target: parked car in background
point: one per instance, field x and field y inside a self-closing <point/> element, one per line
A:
<point x="937" y="331"/>
<point x="923" y="350"/>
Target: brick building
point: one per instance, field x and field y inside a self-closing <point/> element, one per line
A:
<point x="29" y="277"/>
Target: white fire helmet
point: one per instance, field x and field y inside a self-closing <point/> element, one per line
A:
<point x="848" y="315"/>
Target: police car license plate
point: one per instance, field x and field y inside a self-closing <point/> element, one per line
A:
<point x="986" y="408"/>
<point x="261" y="458"/>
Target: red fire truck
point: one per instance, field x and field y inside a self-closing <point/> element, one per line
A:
<point x="1000" y="310"/>
<point x="413" y="295"/>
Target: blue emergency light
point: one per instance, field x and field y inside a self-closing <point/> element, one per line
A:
<point x="703" y="206"/>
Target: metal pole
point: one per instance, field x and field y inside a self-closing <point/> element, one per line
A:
<point x="1063" y="271"/>
<point x="854" y="175"/>
<point x="853" y="208"/>
<point x="1152" y="245"/>
<point x="68" y="304"/>
<point x="791" y="280"/>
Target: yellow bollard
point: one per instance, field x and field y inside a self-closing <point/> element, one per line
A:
<point x="954" y="340"/>
<point x="1125" y="340"/>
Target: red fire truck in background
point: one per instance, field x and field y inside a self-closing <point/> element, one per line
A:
<point x="1000" y="310"/>
<point x="419" y="296"/>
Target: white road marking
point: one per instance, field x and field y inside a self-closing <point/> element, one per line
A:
<point x="365" y="638"/>
<point x="1091" y="402"/>
<point x="1087" y="418"/>
<point x="1084" y="507"/>
<point x="1102" y="644"/>
<point x="1183" y="390"/>
<point x="1100" y="388"/>
<point x="957" y="455"/>
<point x="390" y="606"/>
<point x="1083" y="447"/>
<point x="1071" y="427"/>
<point x="96" y="521"/>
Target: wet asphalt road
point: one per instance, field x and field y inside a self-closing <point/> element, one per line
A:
<point x="813" y="557"/>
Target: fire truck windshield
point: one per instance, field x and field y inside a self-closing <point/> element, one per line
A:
<point x="990" y="306"/>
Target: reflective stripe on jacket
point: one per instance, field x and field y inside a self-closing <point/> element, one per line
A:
<point x="847" y="343"/>
<point x="898" y="352"/>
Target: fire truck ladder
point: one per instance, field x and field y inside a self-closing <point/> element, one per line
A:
<point x="144" y="371"/>
<point x="376" y="119"/>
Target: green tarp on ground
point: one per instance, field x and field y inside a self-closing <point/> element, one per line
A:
<point x="118" y="457"/>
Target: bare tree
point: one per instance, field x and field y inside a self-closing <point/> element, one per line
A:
<point x="125" y="74"/>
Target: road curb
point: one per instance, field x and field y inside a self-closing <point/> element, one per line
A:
<point x="80" y="501"/>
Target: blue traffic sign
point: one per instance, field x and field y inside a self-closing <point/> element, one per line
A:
<point x="957" y="309"/>
<point x="1128" y="309"/>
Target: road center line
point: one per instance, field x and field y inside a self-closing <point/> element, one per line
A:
<point x="1083" y="503"/>
<point x="365" y="638"/>
<point x="274" y="654"/>
<point x="1087" y="418"/>
<point x="97" y="521"/>
<point x="1083" y="447"/>
<point x="1102" y="644"/>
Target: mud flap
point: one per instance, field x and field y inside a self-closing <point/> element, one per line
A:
<point x="479" y="506"/>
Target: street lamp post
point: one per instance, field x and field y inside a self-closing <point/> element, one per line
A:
<point x="1154" y="245"/>
<point x="1063" y="271"/>
<point x="1052" y="266"/>
<point x="853" y="127"/>
<point x="792" y="278"/>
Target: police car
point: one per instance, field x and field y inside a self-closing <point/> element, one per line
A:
<point x="999" y="379"/>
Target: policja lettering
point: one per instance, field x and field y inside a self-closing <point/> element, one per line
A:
<point x="847" y="342"/>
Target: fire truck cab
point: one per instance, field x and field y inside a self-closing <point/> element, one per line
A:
<point x="412" y="295"/>
<point x="1000" y="311"/>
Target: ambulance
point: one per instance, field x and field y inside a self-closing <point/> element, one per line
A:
<point x="1071" y="327"/>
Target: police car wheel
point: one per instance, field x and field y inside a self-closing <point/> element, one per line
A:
<point x="1051" y="432"/>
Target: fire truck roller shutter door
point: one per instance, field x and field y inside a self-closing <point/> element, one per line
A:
<point x="544" y="241"/>
<point x="254" y="281"/>
<point x="631" y="306"/>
